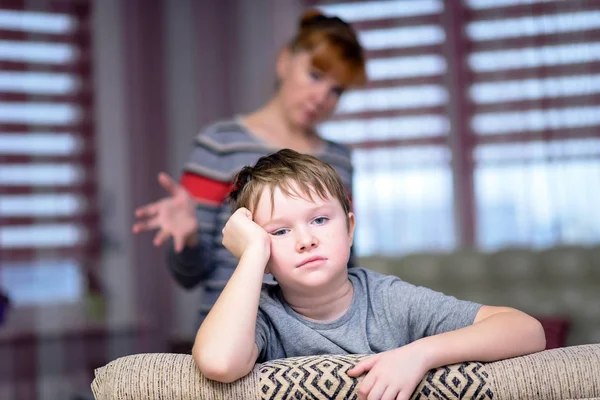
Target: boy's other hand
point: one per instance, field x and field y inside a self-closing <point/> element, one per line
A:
<point x="241" y="233"/>
<point x="390" y="375"/>
<point x="174" y="215"/>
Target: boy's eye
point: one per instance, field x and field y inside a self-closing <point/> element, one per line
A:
<point x="320" y="220"/>
<point x="280" y="232"/>
<point x="316" y="75"/>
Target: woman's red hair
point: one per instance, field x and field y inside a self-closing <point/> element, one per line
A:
<point x="334" y="47"/>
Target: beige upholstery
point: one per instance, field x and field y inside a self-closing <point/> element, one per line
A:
<point x="561" y="281"/>
<point x="559" y="374"/>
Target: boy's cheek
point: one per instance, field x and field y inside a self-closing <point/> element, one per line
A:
<point x="268" y="268"/>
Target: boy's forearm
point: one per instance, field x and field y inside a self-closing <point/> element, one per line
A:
<point x="500" y="336"/>
<point x="225" y="343"/>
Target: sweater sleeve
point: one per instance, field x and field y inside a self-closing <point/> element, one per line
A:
<point x="207" y="176"/>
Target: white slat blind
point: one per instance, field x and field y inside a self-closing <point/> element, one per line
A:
<point x="535" y="93"/>
<point x="398" y="127"/>
<point x="48" y="219"/>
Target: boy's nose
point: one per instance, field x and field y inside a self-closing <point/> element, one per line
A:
<point x="306" y="242"/>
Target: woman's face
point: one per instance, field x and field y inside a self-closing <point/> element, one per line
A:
<point x="309" y="95"/>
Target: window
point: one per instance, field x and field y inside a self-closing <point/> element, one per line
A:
<point x="534" y="91"/>
<point x="479" y="126"/>
<point x="48" y="216"/>
<point x="398" y="128"/>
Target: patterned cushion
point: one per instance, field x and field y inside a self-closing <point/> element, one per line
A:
<point x="325" y="377"/>
<point x="175" y="376"/>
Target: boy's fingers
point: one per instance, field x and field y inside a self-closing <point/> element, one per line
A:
<point x="391" y="393"/>
<point x="365" y="387"/>
<point x="245" y="212"/>
<point x="363" y="366"/>
<point x="377" y="390"/>
<point x="402" y="396"/>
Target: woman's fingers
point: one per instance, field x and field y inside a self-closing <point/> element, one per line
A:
<point x="168" y="183"/>
<point x="178" y="242"/>
<point x="146" y="225"/>
<point x="161" y="237"/>
<point x="147" y="211"/>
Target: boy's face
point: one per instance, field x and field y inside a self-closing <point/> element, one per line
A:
<point x="310" y="241"/>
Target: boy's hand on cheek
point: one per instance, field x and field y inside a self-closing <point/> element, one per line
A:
<point x="393" y="374"/>
<point x="242" y="233"/>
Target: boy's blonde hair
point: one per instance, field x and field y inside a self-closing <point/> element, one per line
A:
<point x="281" y="170"/>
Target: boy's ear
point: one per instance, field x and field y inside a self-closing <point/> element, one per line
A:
<point x="351" y="226"/>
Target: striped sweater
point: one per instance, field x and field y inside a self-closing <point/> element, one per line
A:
<point x="218" y="153"/>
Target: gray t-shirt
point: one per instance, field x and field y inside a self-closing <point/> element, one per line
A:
<point x="385" y="313"/>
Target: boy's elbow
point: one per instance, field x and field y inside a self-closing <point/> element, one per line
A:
<point x="538" y="335"/>
<point x="220" y="372"/>
<point x="218" y="368"/>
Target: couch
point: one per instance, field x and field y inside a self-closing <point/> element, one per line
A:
<point x="556" y="374"/>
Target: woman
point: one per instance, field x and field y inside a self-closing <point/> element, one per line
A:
<point x="313" y="70"/>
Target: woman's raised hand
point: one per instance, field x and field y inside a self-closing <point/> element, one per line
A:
<point x="174" y="215"/>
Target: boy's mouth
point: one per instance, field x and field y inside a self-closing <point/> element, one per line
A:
<point x="311" y="261"/>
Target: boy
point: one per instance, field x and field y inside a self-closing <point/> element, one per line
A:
<point x="293" y="220"/>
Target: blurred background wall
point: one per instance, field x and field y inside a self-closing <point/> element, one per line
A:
<point x="477" y="134"/>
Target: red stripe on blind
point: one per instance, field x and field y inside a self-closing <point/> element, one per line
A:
<point x="81" y="65"/>
<point x="537" y="72"/>
<point x="544" y="103"/>
<point x="76" y="38"/>
<point x="555" y="39"/>
<point x="410" y="81"/>
<point x="71" y="7"/>
<point x="405" y="51"/>
<point x="400" y="142"/>
<point x="87" y="219"/>
<point x="522" y="10"/>
<point x="532" y="136"/>
<point x="84" y="128"/>
<point x="85" y="158"/>
<point x="85" y="188"/>
<point x="83" y="253"/>
<point x="205" y="189"/>
<point x="80" y="98"/>
<point x="386" y="23"/>
<point x="411" y="112"/>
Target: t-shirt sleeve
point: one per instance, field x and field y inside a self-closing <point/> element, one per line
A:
<point x="420" y="312"/>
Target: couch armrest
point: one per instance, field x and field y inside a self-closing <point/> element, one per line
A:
<point x="562" y="373"/>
